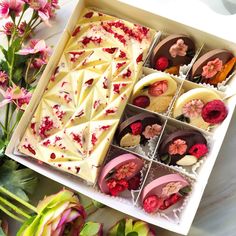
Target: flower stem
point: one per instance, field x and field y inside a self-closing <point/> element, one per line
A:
<point x="6" y="119"/>
<point x="10" y="214"/>
<point x="14" y="208"/>
<point x="24" y="203"/>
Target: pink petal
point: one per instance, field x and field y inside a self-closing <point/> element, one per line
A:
<point x="45" y="17"/>
<point x="64" y="217"/>
<point x="40" y="46"/>
<point x="26" y="51"/>
<point x="4" y="102"/>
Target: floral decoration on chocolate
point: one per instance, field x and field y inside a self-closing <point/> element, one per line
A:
<point x="152" y="130"/>
<point x="211" y="68"/>
<point x="126" y="170"/>
<point x="178" y="49"/>
<point x="193" y="108"/>
<point x="182" y="147"/>
<point x="179" y="146"/>
<point x="154" y="92"/>
<point x="164" y="192"/>
<point x="158" y="88"/>
<point x="171" y="188"/>
<point x="214" y="112"/>
<point x="138" y="130"/>
<point x="172" y="52"/>
<point x="120" y="174"/>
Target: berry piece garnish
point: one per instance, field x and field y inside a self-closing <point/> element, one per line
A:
<point x="117" y="186"/>
<point x="152" y="203"/>
<point x="162" y="63"/>
<point x="141" y="101"/>
<point x="136" y="128"/>
<point x="198" y="150"/>
<point x="214" y="112"/>
<point x="134" y="182"/>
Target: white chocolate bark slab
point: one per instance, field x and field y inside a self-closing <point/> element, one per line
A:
<point x="76" y="119"/>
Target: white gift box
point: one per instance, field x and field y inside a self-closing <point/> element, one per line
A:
<point x="183" y="216"/>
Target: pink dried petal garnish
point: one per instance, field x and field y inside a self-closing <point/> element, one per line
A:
<point x="211" y="68"/>
<point x="178" y="49"/>
<point x="193" y="108"/>
<point x="127" y="74"/>
<point x="46" y="125"/>
<point x="171" y="188"/>
<point x="179" y="146"/>
<point x="126" y="170"/>
<point x="151" y="131"/>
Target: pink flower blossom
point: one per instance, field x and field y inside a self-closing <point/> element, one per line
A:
<point x="45" y="9"/>
<point x="193" y="108"/>
<point x="35" y="46"/>
<point x="20" y="96"/>
<point x="126" y="170"/>
<point x="3" y="78"/>
<point x="37" y="4"/>
<point x="179" y="146"/>
<point x="22" y="28"/>
<point x="178" y="49"/>
<point x="8" y="28"/>
<point x="38" y="63"/>
<point x="151" y="131"/>
<point x="8" y="6"/>
<point x="171" y="188"/>
<point x="211" y="68"/>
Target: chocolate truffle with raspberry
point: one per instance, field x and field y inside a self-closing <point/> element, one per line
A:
<point x="172" y="52"/>
<point x="138" y="129"/>
<point x="182" y="147"/>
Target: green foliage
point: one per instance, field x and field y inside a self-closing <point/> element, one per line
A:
<point x="91" y="229"/>
<point x="18" y="181"/>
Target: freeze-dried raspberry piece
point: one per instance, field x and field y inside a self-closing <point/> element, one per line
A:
<point x="214" y="112"/>
<point x="141" y="101"/>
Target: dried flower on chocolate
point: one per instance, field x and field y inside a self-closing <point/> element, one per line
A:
<point x="179" y="146"/>
<point x="178" y="49"/>
<point x="151" y="131"/>
<point x="211" y="68"/>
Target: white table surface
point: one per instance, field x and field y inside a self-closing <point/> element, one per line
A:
<point x="216" y="214"/>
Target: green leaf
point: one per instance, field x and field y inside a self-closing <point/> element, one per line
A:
<point x="18" y="181"/>
<point x="166" y="159"/>
<point x="98" y="204"/>
<point x="20" y="60"/>
<point x="18" y="74"/>
<point x="145" y="87"/>
<point x="183" y="118"/>
<point x="4" y="66"/>
<point x="121" y="228"/>
<point x="184" y="191"/>
<point x="1" y="232"/>
<point x="132" y="234"/>
<point x="91" y="229"/>
<point x="25" y="225"/>
<point x="197" y="79"/>
<point x="4" y="51"/>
